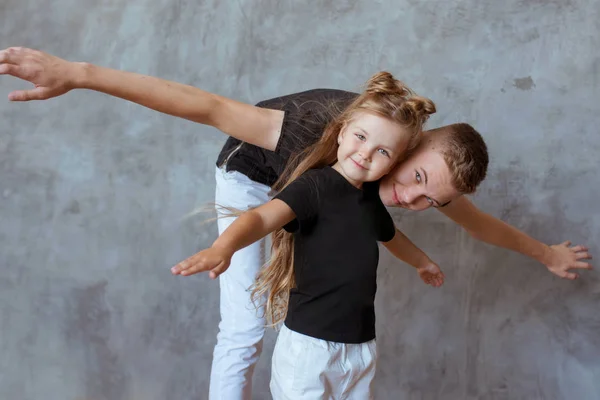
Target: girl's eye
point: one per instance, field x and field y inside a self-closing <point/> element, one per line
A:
<point x="429" y="200"/>
<point x="384" y="152"/>
<point x="360" y="137"/>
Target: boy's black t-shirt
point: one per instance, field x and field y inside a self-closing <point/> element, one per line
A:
<point x="306" y="116"/>
<point x="336" y="231"/>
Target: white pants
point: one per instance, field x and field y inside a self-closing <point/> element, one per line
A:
<point x="241" y="330"/>
<point x="304" y="367"/>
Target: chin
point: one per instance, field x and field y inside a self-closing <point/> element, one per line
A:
<point x="386" y="196"/>
<point x="353" y="175"/>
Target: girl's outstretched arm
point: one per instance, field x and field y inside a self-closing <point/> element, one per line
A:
<point x="251" y="226"/>
<point x="53" y="76"/>
<point x="405" y="250"/>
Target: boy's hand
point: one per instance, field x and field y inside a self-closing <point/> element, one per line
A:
<point x="431" y="274"/>
<point x="51" y="76"/>
<point x="561" y="258"/>
<point x="214" y="259"/>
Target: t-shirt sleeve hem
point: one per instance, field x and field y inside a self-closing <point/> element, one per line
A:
<point x="284" y="129"/>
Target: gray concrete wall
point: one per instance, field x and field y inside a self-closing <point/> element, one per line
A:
<point x="92" y="191"/>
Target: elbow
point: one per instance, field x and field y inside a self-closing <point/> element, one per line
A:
<point x="474" y="233"/>
<point x="209" y="115"/>
<point x="204" y="110"/>
<point x="255" y="220"/>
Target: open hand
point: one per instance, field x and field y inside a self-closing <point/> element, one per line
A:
<point x="52" y="76"/>
<point x="561" y="258"/>
<point x="214" y="259"/>
<point x="431" y="275"/>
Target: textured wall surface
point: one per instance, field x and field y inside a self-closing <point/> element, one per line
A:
<point x="93" y="191"/>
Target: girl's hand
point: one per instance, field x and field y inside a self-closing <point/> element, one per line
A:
<point x="52" y="76"/>
<point x="561" y="258"/>
<point x="214" y="259"/>
<point x="431" y="274"/>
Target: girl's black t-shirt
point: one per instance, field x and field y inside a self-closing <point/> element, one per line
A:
<point x="336" y="230"/>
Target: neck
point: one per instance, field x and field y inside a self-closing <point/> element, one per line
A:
<point x="353" y="182"/>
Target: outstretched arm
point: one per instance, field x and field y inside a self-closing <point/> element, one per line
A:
<point x="245" y="230"/>
<point x="53" y="76"/>
<point x="402" y="248"/>
<point x="559" y="258"/>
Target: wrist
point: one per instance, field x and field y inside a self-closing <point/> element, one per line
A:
<point x="543" y="254"/>
<point x="424" y="263"/>
<point x="80" y="74"/>
<point x="225" y="247"/>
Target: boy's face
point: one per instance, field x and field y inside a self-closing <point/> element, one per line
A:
<point x="421" y="181"/>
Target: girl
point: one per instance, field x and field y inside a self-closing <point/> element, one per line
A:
<point x="327" y="220"/>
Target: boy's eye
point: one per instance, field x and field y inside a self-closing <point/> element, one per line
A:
<point x="384" y="152"/>
<point x="418" y="177"/>
<point x="360" y="137"/>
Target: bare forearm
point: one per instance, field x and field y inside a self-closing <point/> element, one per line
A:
<point x="158" y="94"/>
<point x="245" y="230"/>
<point x="255" y="224"/>
<point x="495" y="232"/>
<point x="402" y="248"/>
<point x="488" y="229"/>
<point x="255" y="125"/>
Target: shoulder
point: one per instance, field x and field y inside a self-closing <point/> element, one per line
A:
<point x="317" y="181"/>
<point x="317" y="176"/>
<point x="303" y="195"/>
<point x="308" y="99"/>
<point x="371" y="191"/>
<point x="306" y="114"/>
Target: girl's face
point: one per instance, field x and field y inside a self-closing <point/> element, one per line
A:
<point x="369" y="146"/>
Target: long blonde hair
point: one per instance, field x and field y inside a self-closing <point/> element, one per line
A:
<point x="385" y="96"/>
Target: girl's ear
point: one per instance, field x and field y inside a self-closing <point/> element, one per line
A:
<point x="342" y="132"/>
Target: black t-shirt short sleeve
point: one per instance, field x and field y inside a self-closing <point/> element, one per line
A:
<point x="382" y="220"/>
<point x="302" y="196"/>
<point x="388" y="230"/>
<point x="306" y="115"/>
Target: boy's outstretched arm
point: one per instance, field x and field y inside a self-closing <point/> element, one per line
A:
<point x="52" y="77"/>
<point x="561" y="259"/>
